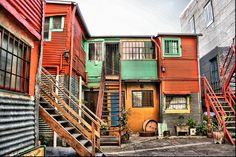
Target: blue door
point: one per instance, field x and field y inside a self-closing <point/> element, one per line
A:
<point x="114" y="109"/>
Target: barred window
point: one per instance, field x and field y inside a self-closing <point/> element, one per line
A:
<point x="95" y="51"/>
<point x="176" y="102"/>
<point x="138" y="50"/>
<point x="142" y="98"/>
<point x="171" y="47"/>
<point x="14" y="63"/>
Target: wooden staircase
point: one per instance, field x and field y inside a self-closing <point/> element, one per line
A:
<point x="223" y="104"/>
<point x="109" y="107"/>
<point x="111" y="112"/>
<point x="82" y="136"/>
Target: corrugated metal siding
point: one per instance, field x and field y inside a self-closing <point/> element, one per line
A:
<point x="60" y="41"/>
<point x="31" y="11"/>
<point x="17" y="125"/>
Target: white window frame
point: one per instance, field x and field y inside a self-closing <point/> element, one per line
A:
<point x="209" y="17"/>
<point x="51" y="29"/>
<point x="176" y="110"/>
<point x="192" y="24"/>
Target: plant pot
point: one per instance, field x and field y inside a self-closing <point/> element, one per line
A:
<point x="192" y="131"/>
<point x="218" y="136"/>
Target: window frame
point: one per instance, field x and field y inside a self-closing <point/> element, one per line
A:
<point x="187" y="110"/>
<point x="101" y="58"/>
<point x="164" y="47"/>
<point x="51" y="29"/>
<point x="208" y="7"/>
<point x="19" y="76"/>
<point x="152" y="99"/>
<point x="135" y="54"/>
<point x="192" y="24"/>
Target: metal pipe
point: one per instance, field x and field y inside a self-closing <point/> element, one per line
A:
<point x="37" y="85"/>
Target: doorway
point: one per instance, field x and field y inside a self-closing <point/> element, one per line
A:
<point x="112" y="59"/>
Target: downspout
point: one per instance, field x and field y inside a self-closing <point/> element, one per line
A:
<point x="160" y="85"/>
<point x="37" y="85"/>
<point x="199" y="80"/>
<point x="72" y="46"/>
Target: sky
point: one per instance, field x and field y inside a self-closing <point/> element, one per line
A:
<point x="132" y="17"/>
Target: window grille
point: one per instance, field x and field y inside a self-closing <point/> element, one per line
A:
<point x="171" y="47"/>
<point x="14" y="63"/>
<point x="142" y="98"/>
<point x="176" y="102"/>
<point x="138" y="50"/>
<point x="95" y="51"/>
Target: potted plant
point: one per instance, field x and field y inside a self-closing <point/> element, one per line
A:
<point x="218" y="131"/>
<point x="104" y="128"/>
<point x="202" y="128"/>
<point x="125" y="130"/>
<point x="192" y="126"/>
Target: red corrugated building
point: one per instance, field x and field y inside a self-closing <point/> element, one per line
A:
<point x="20" y="42"/>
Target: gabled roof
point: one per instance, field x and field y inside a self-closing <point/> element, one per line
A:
<point x="78" y="12"/>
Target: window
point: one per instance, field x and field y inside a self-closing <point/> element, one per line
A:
<point x="142" y="98"/>
<point x="53" y="24"/>
<point x="208" y="13"/>
<point x="177" y="104"/>
<point x="14" y="63"/>
<point x="138" y="50"/>
<point x="171" y="47"/>
<point x="192" y="25"/>
<point x="95" y="51"/>
<point x="215" y="81"/>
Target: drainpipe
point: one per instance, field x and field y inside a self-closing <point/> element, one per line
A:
<point x="160" y="85"/>
<point x="72" y="46"/>
<point x="38" y="79"/>
<point x="199" y="79"/>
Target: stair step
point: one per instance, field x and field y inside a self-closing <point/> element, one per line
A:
<point x="99" y="154"/>
<point x="69" y="128"/>
<point x="230" y="128"/>
<point x="77" y="135"/>
<point x="232" y="134"/>
<point x="63" y="121"/>
<point x="55" y="115"/>
<point x="112" y="91"/>
<point x="85" y="142"/>
<point x="230" y="122"/>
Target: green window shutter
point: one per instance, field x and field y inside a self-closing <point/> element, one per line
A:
<point x="171" y="47"/>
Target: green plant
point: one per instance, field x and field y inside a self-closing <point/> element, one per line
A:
<point x="202" y="128"/>
<point x="180" y="120"/>
<point x="191" y="123"/>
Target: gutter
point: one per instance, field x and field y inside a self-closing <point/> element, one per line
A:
<point x="72" y="46"/>
<point x="38" y="79"/>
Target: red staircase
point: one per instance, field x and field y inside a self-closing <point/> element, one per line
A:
<point x="223" y="104"/>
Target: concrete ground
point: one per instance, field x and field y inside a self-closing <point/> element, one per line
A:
<point x="152" y="146"/>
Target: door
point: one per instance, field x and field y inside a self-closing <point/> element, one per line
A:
<point x="112" y="59"/>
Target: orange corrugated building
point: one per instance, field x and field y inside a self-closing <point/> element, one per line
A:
<point x="20" y="52"/>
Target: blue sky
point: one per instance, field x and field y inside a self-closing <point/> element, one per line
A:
<point x="132" y="17"/>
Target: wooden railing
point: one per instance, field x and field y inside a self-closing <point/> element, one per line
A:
<point x="212" y="101"/>
<point x="91" y="131"/>
<point x="101" y="92"/>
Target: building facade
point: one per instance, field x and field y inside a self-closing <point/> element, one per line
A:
<point x="155" y="83"/>
<point x="20" y="50"/>
<point x="64" y="56"/>
<point x="215" y="19"/>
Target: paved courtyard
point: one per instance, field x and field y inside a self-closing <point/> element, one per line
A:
<point x="173" y="146"/>
<point x="152" y="146"/>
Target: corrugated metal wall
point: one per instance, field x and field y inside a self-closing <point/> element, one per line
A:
<point x="30" y="10"/>
<point x="17" y="125"/>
